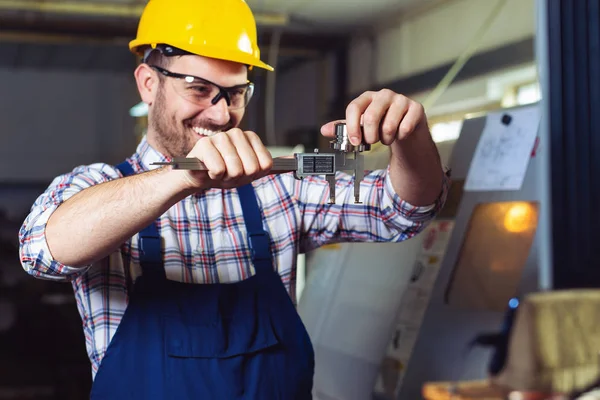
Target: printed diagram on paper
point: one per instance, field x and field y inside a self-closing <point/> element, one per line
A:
<point x="504" y="150"/>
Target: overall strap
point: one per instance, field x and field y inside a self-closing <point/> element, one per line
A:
<point x="150" y="241"/>
<point x="257" y="237"/>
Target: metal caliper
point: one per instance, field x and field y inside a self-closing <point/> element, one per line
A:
<point x="344" y="157"/>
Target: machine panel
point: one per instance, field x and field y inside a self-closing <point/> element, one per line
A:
<point x="491" y="257"/>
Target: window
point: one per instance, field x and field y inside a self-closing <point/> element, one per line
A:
<point x="446" y="131"/>
<point x="521" y="95"/>
<point x="495" y="249"/>
<point x="529" y="93"/>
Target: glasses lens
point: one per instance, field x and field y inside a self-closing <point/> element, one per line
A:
<point x="240" y="96"/>
<point x="195" y="90"/>
<point x="202" y="92"/>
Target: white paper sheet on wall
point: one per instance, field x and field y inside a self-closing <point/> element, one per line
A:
<point x="504" y="150"/>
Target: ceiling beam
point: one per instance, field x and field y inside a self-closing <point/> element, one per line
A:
<point x="70" y="7"/>
<point x="121" y="29"/>
<point x="122" y="10"/>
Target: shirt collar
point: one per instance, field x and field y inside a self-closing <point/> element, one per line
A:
<point x="147" y="155"/>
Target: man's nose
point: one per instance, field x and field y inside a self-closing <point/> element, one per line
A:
<point x="218" y="113"/>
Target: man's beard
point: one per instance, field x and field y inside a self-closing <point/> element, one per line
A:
<point x="175" y="139"/>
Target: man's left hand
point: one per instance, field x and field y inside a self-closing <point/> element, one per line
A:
<point x="385" y="116"/>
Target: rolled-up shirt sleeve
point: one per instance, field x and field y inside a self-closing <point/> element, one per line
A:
<point x="382" y="217"/>
<point x="36" y="258"/>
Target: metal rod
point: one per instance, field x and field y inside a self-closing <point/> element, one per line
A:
<point x="280" y="164"/>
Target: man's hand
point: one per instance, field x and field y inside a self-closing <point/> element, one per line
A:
<point x="385" y="116"/>
<point x="395" y="120"/>
<point x="233" y="158"/>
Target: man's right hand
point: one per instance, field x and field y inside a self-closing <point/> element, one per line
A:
<point x="233" y="158"/>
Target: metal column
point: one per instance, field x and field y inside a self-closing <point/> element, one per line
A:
<point x="569" y="61"/>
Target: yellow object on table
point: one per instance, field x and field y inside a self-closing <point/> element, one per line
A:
<point x="481" y="390"/>
<point x="467" y="390"/>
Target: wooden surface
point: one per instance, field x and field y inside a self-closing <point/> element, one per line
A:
<point x="470" y="390"/>
<point x="479" y="390"/>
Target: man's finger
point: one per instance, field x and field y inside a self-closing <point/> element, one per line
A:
<point x="264" y="158"/>
<point x="374" y="115"/>
<point x="392" y="120"/>
<point x="229" y="154"/>
<point x="411" y="120"/>
<point x="213" y="161"/>
<point x="328" y="130"/>
<point x="245" y="152"/>
<point x="354" y="113"/>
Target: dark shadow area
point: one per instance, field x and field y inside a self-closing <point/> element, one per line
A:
<point x="42" y="347"/>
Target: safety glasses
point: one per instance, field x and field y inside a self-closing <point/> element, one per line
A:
<point x="206" y="93"/>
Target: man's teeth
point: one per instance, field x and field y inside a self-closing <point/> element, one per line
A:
<point x="203" y="132"/>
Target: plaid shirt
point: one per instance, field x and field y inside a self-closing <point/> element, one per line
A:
<point x="204" y="235"/>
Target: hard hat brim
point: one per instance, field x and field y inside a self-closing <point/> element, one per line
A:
<point x="205" y="51"/>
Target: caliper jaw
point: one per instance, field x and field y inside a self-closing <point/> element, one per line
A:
<point x="346" y="157"/>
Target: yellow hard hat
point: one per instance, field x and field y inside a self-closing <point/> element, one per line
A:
<point x="223" y="29"/>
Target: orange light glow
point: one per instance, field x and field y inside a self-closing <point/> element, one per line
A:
<point x="520" y="217"/>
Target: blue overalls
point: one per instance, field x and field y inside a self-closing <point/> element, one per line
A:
<point x="180" y="341"/>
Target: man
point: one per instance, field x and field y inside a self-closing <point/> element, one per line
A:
<point x="196" y="268"/>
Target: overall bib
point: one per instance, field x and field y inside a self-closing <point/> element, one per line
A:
<point x="180" y="341"/>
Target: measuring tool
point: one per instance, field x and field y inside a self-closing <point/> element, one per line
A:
<point x="345" y="157"/>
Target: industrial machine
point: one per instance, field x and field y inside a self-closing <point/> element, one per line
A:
<point x="491" y="260"/>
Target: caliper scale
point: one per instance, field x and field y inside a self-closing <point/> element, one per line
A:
<point x="344" y="157"/>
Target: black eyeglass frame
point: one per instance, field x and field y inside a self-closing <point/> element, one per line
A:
<point x="223" y="91"/>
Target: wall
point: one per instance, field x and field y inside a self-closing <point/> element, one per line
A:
<point x="55" y="120"/>
<point x="296" y="98"/>
<point x="479" y="92"/>
<point x="433" y="38"/>
<point x="303" y="94"/>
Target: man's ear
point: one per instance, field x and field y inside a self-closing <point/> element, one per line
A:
<point x="147" y="83"/>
